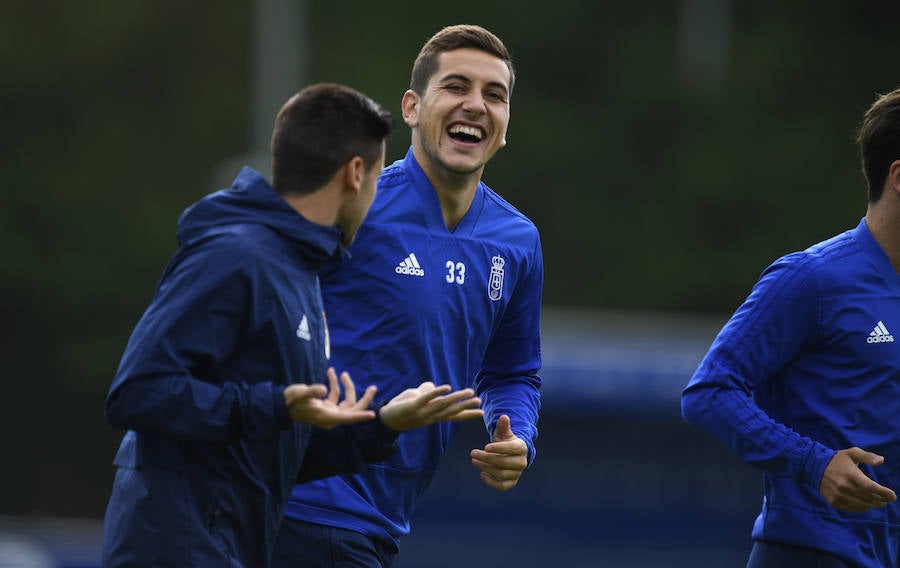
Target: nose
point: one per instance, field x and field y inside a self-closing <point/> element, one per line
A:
<point x="474" y="103"/>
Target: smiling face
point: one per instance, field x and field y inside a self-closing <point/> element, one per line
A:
<point x="460" y="120"/>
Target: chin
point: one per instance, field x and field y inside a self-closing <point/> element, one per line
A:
<point x="463" y="168"/>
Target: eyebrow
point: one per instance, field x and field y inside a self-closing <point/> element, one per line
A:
<point x="465" y="79"/>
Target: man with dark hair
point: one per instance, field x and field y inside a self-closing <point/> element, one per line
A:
<point x="221" y="381"/>
<point x="444" y="282"/>
<point x="802" y="382"/>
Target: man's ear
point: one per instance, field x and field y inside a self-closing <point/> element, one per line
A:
<point x="893" y="177"/>
<point x="409" y="106"/>
<point x="354" y="174"/>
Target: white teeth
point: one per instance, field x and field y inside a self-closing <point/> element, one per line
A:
<point x="463" y="129"/>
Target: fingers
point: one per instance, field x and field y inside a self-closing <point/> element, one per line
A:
<point x="334" y="393"/>
<point x="335" y="417"/>
<point x="460" y="400"/>
<point x="875" y="492"/>
<point x="856" y="505"/>
<point x="436" y="406"/>
<point x="498" y="471"/>
<point x="463" y="415"/>
<point x="368" y="397"/>
<point x="498" y="484"/>
<point x="302" y="391"/>
<point x="350" y="394"/>
<point x="514" y="447"/>
<point x="861" y="456"/>
<point x="845" y="486"/>
<point x="500" y="460"/>
<point x="857" y="501"/>
<point x="865" y="487"/>
<point x="349" y="389"/>
<point x="428" y="392"/>
<point x="452" y="408"/>
<point x="427" y="404"/>
<point x="503" y="430"/>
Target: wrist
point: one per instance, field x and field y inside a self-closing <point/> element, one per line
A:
<point x="385" y="419"/>
<point x="280" y="408"/>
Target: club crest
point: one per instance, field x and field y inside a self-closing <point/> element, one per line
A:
<point x="327" y="337"/>
<point x="495" y="280"/>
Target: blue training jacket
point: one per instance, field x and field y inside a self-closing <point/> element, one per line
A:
<point x="809" y="365"/>
<point x="418" y="302"/>
<point x="211" y="453"/>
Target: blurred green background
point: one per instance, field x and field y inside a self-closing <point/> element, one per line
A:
<point x="667" y="151"/>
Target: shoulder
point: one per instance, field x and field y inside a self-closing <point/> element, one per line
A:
<point x="249" y="241"/>
<point x="823" y="265"/>
<point x="832" y="255"/>
<point x="230" y="250"/>
<point x="504" y="218"/>
<point x="392" y="177"/>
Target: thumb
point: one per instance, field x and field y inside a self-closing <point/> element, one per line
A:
<point x="503" y="431"/>
<point x="859" y="455"/>
<point x="301" y="391"/>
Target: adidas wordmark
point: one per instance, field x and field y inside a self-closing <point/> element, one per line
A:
<point x="880" y="334"/>
<point x="410" y="265"/>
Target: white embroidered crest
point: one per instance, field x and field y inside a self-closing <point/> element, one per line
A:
<point x="327" y="337"/>
<point x="495" y="280"/>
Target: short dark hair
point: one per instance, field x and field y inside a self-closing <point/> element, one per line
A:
<point x="879" y="141"/>
<point x="456" y="37"/>
<point x="320" y="129"/>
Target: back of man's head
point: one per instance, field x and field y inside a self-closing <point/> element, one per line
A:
<point x="320" y="129"/>
<point x="879" y="141"/>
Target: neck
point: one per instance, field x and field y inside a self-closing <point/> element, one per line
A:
<point x="317" y="207"/>
<point x="885" y="228"/>
<point x="455" y="191"/>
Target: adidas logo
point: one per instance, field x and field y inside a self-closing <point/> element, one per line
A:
<point x="880" y="334"/>
<point x="303" y="329"/>
<point x="410" y="265"/>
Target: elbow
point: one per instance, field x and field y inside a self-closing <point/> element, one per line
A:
<point x="691" y="407"/>
<point x="115" y="409"/>
<point x="112" y="412"/>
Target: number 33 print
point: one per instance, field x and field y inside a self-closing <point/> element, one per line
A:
<point x="456" y="272"/>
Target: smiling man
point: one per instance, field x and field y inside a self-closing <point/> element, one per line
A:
<point x="443" y="284"/>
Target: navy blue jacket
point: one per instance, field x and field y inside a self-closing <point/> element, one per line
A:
<point x="211" y="454"/>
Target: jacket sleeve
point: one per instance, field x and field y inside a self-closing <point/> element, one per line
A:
<point x="347" y="449"/>
<point x="772" y="327"/>
<point x="166" y="382"/>
<point x="508" y="382"/>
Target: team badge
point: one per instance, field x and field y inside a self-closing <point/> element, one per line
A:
<point x="495" y="280"/>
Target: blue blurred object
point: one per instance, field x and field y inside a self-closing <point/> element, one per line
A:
<point x="50" y="543"/>
<point x="621" y="362"/>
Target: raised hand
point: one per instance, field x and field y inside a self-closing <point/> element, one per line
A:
<point x="427" y="404"/>
<point x="322" y="407"/>
<point x="846" y="487"/>
<point x="504" y="459"/>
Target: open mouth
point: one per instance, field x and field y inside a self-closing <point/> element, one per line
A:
<point x="464" y="133"/>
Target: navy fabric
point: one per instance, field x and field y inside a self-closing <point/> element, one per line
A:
<point x="778" y="555"/>
<point x="307" y="545"/>
<point x="210" y="452"/>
